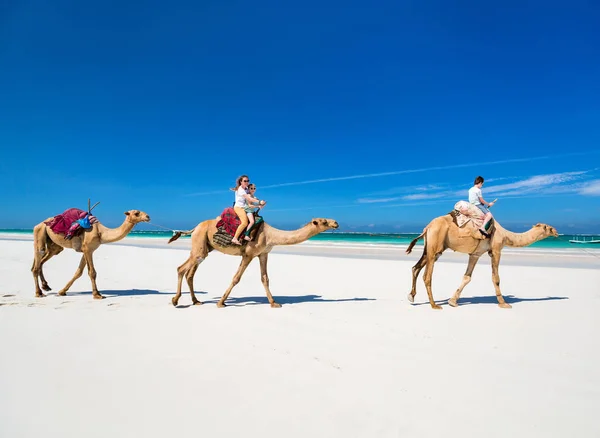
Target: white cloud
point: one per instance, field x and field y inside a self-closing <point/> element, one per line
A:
<point x="415" y="204"/>
<point x="427" y="188"/>
<point x="418" y="196"/>
<point x="489" y="180"/>
<point x="412" y="197"/>
<point x="591" y="188"/>
<point x="535" y="183"/>
<point x="538" y="185"/>
<point x="376" y="200"/>
<point x="408" y="171"/>
<point x="394" y="192"/>
<point x="425" y="169"/>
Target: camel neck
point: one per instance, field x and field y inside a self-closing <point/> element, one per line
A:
<point x="519" y="240"/>
<point x="277" y="237"/>
<point x="108" y="235"/>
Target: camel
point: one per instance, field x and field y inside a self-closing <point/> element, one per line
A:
<point x="263" y="241"/>
<point x="443" y="233"/>
<point x="47" y="244"/>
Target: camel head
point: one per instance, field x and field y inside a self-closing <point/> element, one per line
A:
<point x="324" y="224"/>
<point x="136" y="216"/>
<point x="547" y="230"/>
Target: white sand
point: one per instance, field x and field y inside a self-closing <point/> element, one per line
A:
<point x="346" y="356"/>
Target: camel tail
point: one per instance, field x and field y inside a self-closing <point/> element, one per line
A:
<point x="414" y="242"/>
<point x="178" y="234"/>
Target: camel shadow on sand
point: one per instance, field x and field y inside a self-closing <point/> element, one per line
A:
<point x="491" y="299"/>
<point x="125" y="293"/>
<point x="281" y="299"/>
<point x="231" y="301"/>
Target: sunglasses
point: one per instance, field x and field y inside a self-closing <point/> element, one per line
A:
<point x="245" y="180"/>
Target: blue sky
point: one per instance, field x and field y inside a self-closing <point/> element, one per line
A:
<point x="377" y="114"/>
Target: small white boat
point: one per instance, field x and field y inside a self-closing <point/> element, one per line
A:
<point x="592" y="240"/>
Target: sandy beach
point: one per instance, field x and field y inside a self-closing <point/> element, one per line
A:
<point x="346" y="355"/>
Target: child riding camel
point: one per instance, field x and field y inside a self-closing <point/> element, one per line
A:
<point x="476" y="198"/>
<point x="250" y="209"/>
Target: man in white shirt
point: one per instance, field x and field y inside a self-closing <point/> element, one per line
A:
<point x="476" y="198"/>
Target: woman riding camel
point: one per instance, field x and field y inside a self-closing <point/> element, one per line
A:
<point x="242" y="198"/>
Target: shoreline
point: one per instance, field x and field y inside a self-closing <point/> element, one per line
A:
<point x="577" y="258"/>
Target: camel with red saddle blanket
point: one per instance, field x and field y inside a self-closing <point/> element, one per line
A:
<point x="209" y="235"/>
<point x="460" y="232"/>
<point x="54" y="234"/>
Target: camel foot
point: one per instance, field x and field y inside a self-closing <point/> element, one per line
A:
<point x="46" y="287"/>
<point x="197" y="303"/>
<point x="220" y="304"/>
<point x="62" y="293"/>
<point x="40" y="295"/>
<point x="275" y="305"/>
<point x="453" y="303"/>
<point x="505" y="305"/>
<point x="98" y="296"/>
<point x="436" y="307"/>
<point x="174" y="301"/>
<point x="411" y="298"/>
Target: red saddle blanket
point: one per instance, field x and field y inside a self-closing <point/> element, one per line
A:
<point x="229" y="221"/>
<point x="66" y="222"/>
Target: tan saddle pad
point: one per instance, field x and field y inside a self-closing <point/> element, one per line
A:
<point x="469" y="219"/>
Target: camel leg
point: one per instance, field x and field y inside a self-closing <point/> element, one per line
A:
<point x="53" y="250"/>
<point x="431" y="258"/>
<point x="190" y="281"/>
<point x="496" y="279"/>
<point x="39" y="252"/>
<point x="181" y="270"/>
<point x="45" y="285"/>
<point x="36" y="268"/>
<point x="236" y="279"/>
<point x="78" y="273"/>
<point x="416" y="269"/>
<point x="187" y="269"/>
<point x="92" y="273"/>
<point x="264" y="276"/>
<point x="473" y="259"/>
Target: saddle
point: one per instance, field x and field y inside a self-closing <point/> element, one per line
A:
<point x="71" y="222"/>
<point x="229" y="223"/>
<point x="468" y="218"/>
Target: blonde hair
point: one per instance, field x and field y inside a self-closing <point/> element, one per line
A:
<point x="238" y="182"/>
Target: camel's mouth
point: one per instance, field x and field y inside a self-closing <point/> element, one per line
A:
<point x="334" y="225"/>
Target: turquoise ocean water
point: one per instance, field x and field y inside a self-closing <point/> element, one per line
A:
<point x="340" y="238"/>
